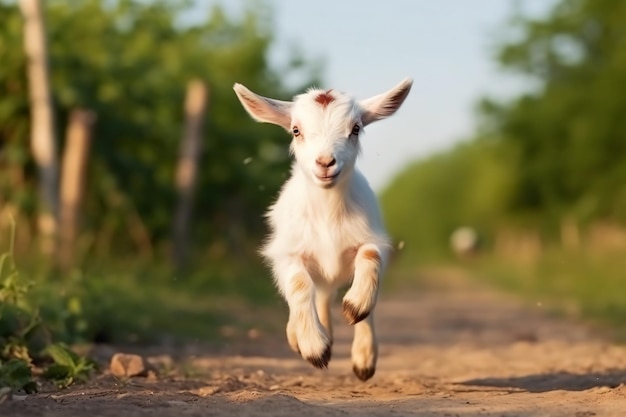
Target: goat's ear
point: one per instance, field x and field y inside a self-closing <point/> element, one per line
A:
<point x="385" y="104"/>
<point x="263" y="109"/>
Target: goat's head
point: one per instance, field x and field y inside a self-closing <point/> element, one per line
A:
<point x="325" y="125"/>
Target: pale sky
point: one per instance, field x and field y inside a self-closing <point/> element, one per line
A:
<point x="368" y="46"/>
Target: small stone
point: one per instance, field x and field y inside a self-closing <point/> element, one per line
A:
<point x="128" y="365"/>
<point x="205" y="391"/>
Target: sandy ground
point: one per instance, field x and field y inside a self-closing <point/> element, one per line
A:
<point x="451" y="349"/>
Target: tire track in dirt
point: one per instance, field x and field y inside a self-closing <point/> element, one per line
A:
<point x="451" y="348"/>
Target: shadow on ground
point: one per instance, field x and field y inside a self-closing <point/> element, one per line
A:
<point x="555" y="381"/>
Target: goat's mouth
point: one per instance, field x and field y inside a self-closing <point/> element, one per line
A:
<point x="328" y="180"/>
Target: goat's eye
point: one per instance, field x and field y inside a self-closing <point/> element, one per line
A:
<point x="356" y="129"/>
<point x="296" y="131"/>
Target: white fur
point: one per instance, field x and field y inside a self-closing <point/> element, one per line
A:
<point x="326" y="227"/>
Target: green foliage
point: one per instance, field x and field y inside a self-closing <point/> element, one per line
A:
<point x="134" y="303"/>
<point x="469" y="185"/>
<point x="67" y="366"/>
<point x="25" y="335"/>
<point x="130" y="62"/>
<point x="16" y="374"/>
<point x="549" y="155"/>
<point x="569" y="133"/>
<point x="19" y="319"/>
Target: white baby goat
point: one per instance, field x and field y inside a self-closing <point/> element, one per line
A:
<point x="326" y="225"/>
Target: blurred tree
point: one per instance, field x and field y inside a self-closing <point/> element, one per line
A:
<point x="130" y="61"/>
<point x="72" y="188"/>
<point x="570" y="132"/>
<point x="548" y="160"/>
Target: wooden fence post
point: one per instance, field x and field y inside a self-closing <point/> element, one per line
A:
<point x="73" y="180"/>
<point x="43" y="141"/>
<point x="187" y="169"/>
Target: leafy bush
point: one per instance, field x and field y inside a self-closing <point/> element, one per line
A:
<point x="25" y="337"/>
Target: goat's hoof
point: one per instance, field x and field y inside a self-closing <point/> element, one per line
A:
<point x="352" y="313"/>
<point x="321" y="362"/>
<point x="363" y="373"/>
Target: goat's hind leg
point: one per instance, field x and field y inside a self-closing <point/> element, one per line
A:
<point x="305" y="332"/>
<point x="358" y="309"/>
<point x="364" y="348"/>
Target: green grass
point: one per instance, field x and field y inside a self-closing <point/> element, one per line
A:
<point x="588" y="285"/>
<point x="125" y="303"/>
<point x="120" y="301"/>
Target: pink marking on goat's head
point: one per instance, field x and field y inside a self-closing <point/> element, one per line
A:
<point x="325" y="98"/>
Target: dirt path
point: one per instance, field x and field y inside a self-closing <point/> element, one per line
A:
<point x="450" y="350"/>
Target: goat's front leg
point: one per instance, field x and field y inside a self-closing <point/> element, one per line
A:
<point x="361" y="298"/>
<point x="305" y="333"/>
<point x="364" y="349"/>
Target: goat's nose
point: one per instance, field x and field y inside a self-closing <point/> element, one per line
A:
<point x="325" y="161"/>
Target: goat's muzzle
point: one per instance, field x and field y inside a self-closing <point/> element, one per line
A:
<point x="328" y="178"/>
